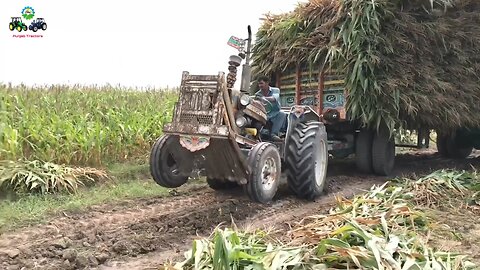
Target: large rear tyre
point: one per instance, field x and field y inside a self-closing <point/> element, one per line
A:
<point x="165" y="163"/>
<point x="363" y="151"/>
<point x="383" y="153"/>
<point x="264" y="162"/>
<point x="307" y="160"/>
<point x="220" y="185"/>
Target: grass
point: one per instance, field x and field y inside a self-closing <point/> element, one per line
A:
<point x="81" y="125"/>
<point x="31" y="209"/>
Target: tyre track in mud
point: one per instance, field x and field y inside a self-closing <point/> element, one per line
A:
<point x="142" y="234"/>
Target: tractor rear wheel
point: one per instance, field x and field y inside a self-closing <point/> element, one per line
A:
<point x="44" y="26"/>
<point x="383" y="153"/>
<point x="264" y="162"/>
<point x="307" y="159"/>
<point x="165" y="163"/>
<point x="220" y="184"/>
<point x="11" y="26"/>
<point x="363" y="151"/>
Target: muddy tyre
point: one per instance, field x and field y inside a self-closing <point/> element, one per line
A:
<point x="456" y="150"/>
<point x="442" y="144"/>
<point x="264" y="162"/>
<point x="307" y="159"/>
<point x="363" y="151"/>
<point x="164" y="163"/>
<point x="383" y="153"/>
<point x="220" y="185"/>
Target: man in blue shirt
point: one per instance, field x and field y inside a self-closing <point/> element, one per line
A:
<point x="272" y="95"/>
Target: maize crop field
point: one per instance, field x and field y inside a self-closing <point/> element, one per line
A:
<point x="81" y="125"/>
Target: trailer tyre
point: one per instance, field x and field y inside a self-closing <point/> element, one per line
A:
<point x="442" y="144"/>
<point x="457" y="150"/>
<point x="264" y="162"/>
<point x="383" y="153"/>
<point x="164" y="164"/>
<point x="363" y="151"/>
<point x="448" y="147"/>
<point x="307" y="159"/>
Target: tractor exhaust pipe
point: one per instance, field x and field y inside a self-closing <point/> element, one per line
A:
<point x="246" y="70"/>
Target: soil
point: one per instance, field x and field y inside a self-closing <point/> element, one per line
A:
<point x="145" y="233"/>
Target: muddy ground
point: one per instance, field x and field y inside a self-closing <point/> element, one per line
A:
<point x="144" y="233"/>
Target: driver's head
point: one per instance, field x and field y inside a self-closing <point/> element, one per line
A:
<point x="263" y="83"/>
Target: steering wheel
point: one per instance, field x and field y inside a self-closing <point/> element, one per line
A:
<point x="267" y="104"/>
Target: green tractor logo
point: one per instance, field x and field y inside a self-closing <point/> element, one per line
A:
<point x="28" y="13"/>
<point x="18" y="24"/>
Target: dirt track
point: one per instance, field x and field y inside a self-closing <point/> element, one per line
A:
<point x="142" y="234"/>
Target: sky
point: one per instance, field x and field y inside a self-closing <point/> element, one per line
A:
<point x="144" y="43"/>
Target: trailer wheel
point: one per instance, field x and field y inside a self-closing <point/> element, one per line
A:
<point x="307" y="160"/>
<point x="442" y="144"/>
<point x="164" y="163"/>
<point x="264" y="162"/>
<point x="220" y="184"/>
<point x="383" y="153"/>
<point x="448" y="147"/>
<point x="456" y="150"/>
<point x="363" y="151"/>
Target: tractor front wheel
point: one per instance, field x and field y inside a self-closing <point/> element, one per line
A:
<point x="166" y="163"/>
<point x="264" y="162"/>
<point x="307" y="159"/>
<point x="25" y="28"/>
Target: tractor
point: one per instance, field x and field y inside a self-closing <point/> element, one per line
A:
<point x="39" y="23"/>
<point x="223" y="135"/>
<point x="18" y="24"/>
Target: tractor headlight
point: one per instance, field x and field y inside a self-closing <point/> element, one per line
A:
<point x="242" y="121"/>
<point x="245" y="99"/>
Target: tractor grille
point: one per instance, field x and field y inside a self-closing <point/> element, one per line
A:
<point x="190" y="118"/>
<point x="201" y="99"/>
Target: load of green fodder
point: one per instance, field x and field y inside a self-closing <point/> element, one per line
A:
<point x="81" y="125"/>
<point x="412" y="63"/>
<point x="384" y="228"/>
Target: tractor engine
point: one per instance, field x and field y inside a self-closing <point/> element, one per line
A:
<point x="250" y="114"/>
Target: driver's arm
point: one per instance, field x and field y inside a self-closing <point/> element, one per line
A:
<point x="271" y="99"/>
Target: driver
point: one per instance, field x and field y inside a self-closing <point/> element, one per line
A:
<point x="271" y="94"/>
